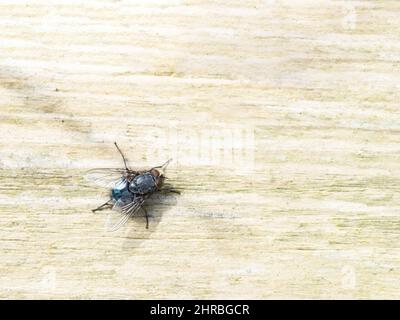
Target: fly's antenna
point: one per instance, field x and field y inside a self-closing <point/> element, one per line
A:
<point x="122" y="155"/>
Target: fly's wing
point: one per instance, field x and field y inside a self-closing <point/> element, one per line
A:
<point x="107" y="177"/>
<point x="127" y="208"/>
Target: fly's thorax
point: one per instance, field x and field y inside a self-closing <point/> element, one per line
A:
<point x="143" y="183"/>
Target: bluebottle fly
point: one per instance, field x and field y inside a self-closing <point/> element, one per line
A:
<point x="129" y="188"/>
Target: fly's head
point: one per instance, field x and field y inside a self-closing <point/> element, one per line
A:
<point x="159" y="174"/>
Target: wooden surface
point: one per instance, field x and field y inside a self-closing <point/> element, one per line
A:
<point x="283" y="121"/>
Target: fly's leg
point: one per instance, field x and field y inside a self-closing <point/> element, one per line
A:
<point x="169" y="190"/>
<point x="163" y="166"/>
<point x="102" y="207"/>
<point x="147" y="217"/>
<point x="122" y="155"/>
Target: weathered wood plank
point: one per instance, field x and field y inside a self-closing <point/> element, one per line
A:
<point x="283" y="121"/>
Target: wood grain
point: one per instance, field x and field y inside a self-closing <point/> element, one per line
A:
<point x="283" y="121"/>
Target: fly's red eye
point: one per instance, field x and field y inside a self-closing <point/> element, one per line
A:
<point x="155" y="173"/>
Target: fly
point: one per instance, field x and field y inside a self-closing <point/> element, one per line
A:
<point x="129" y="189"/>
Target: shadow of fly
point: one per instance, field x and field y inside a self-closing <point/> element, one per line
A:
<point x="129" y="188"/>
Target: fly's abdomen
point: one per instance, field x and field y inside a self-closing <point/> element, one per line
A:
<point x="143" y="184"/>
<point x="121" y="192"/>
